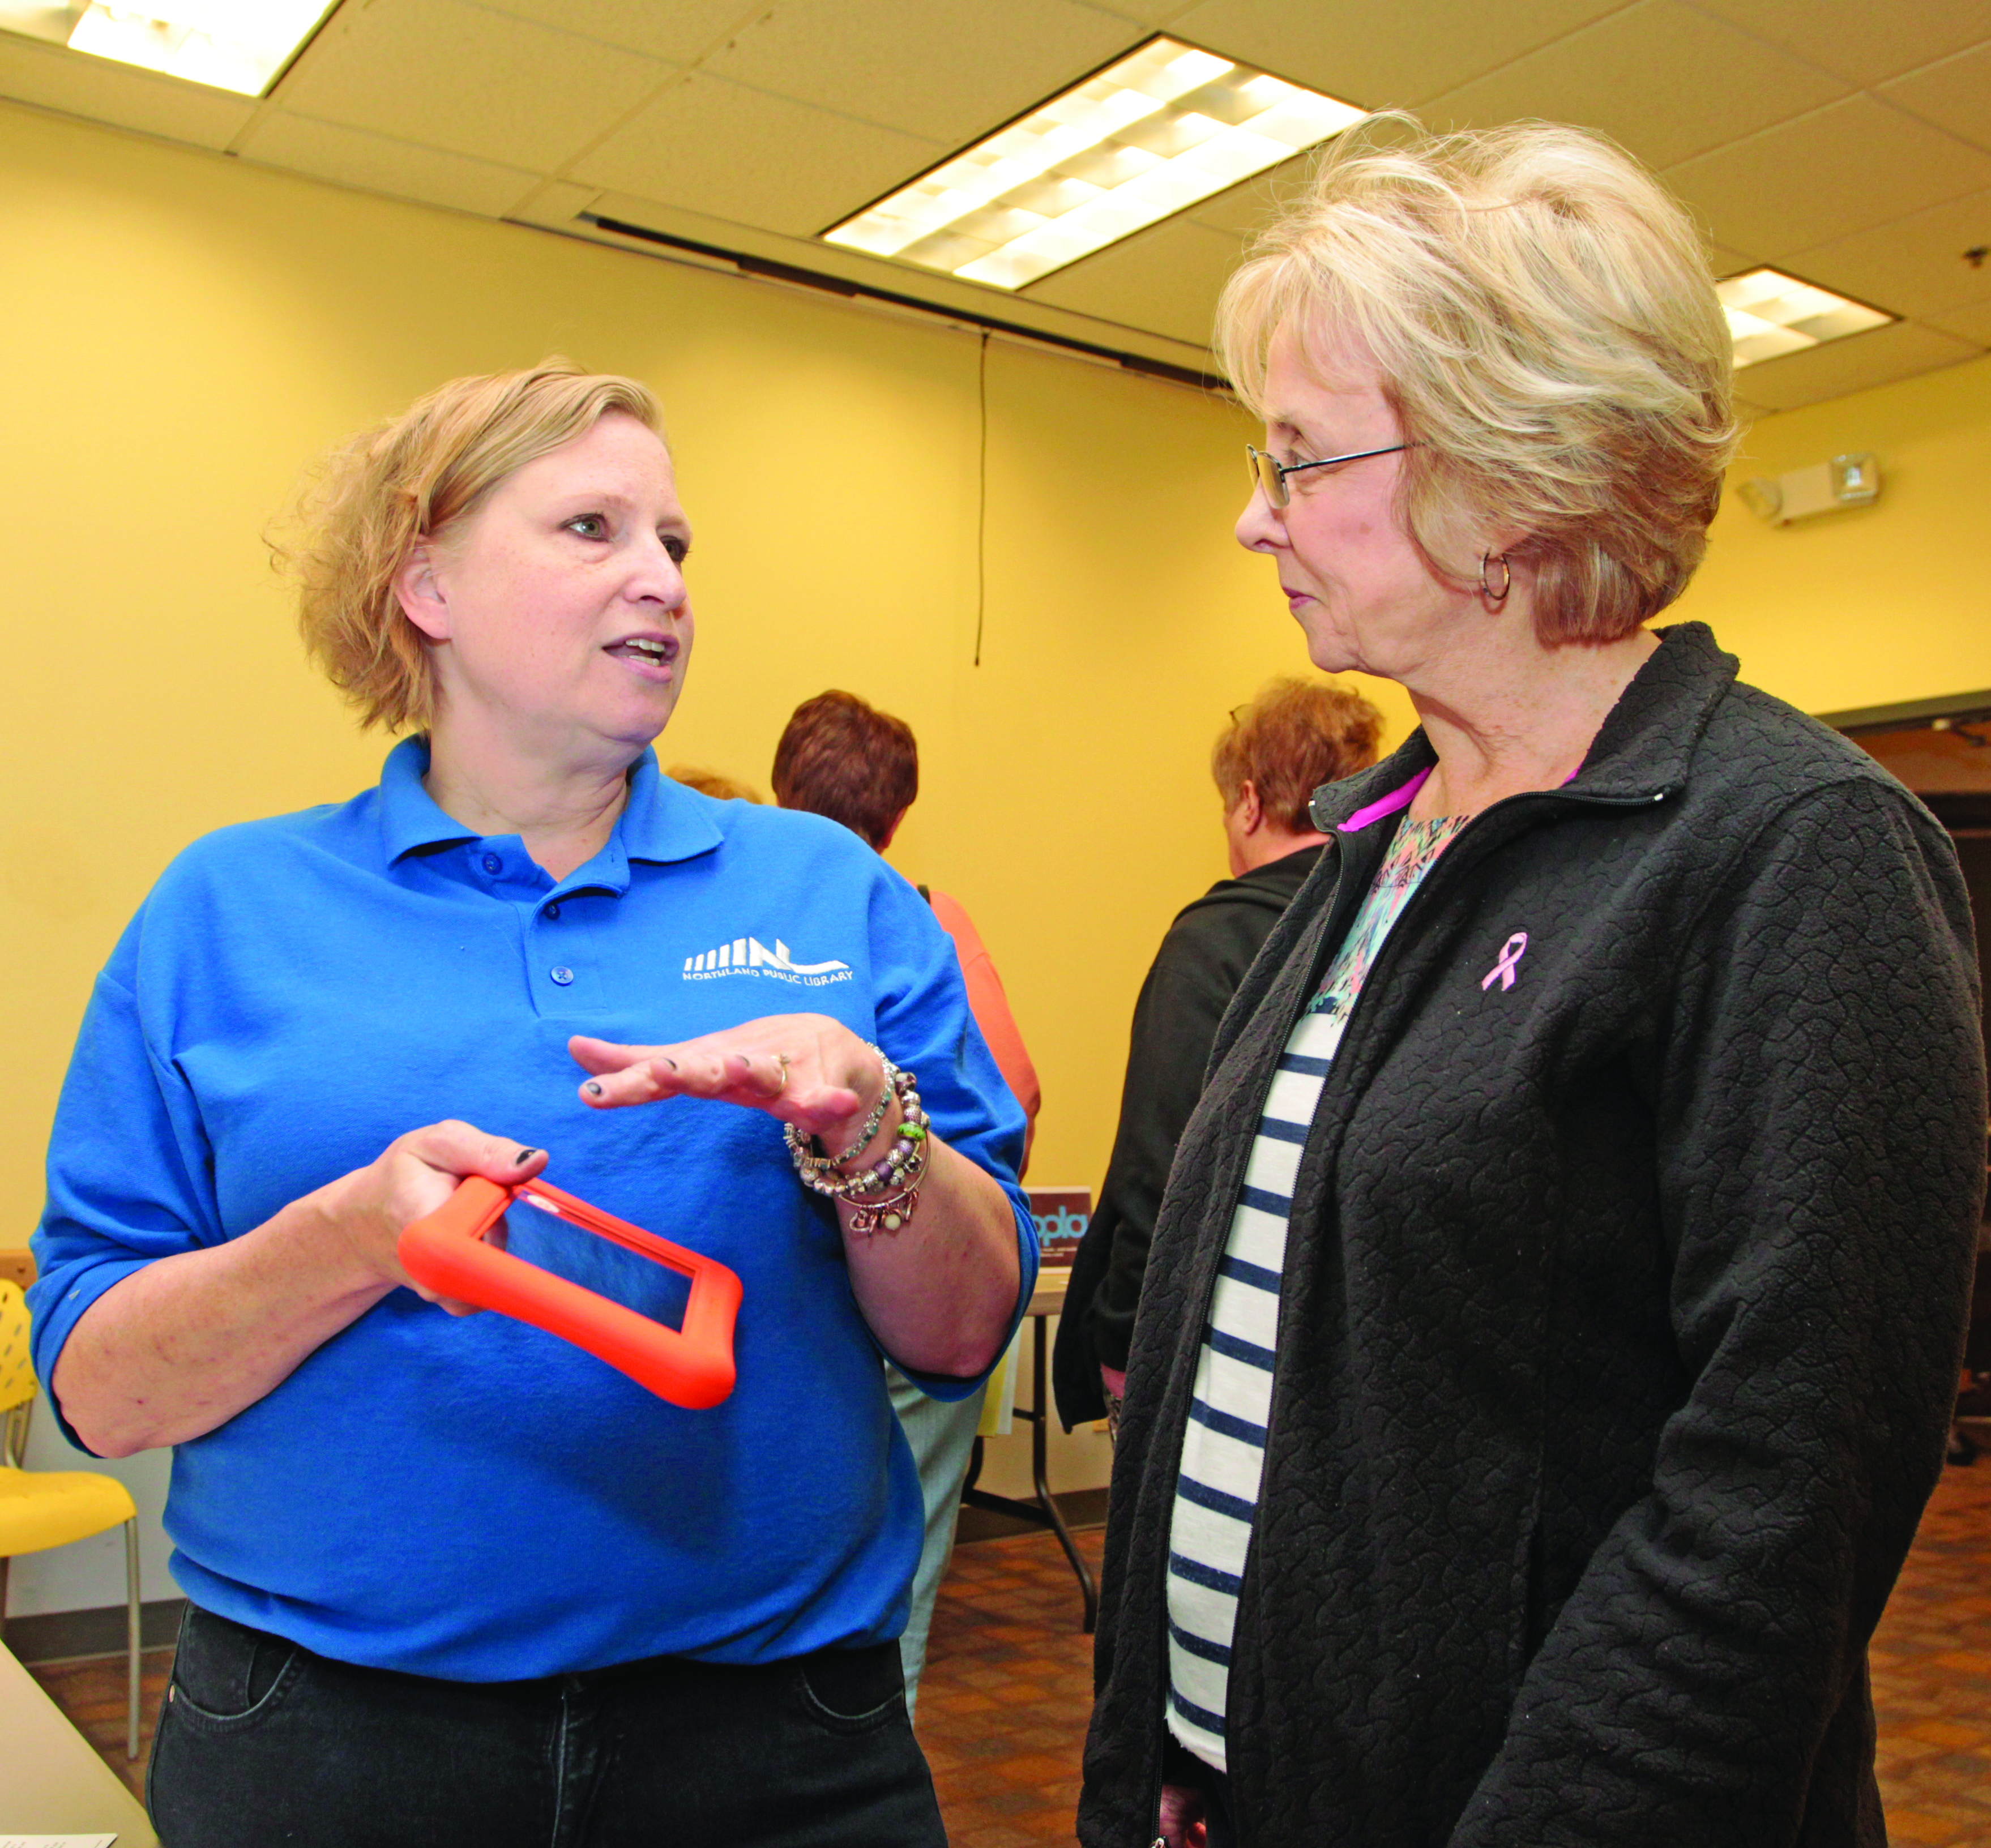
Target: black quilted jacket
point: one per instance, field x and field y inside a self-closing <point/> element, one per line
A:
<point x="1622" y="1312"/>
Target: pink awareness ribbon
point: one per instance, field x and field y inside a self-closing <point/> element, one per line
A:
<point x="1503" y="972"/>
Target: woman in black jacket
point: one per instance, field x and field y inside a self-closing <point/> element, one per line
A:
<point x="1546" y="1346"/>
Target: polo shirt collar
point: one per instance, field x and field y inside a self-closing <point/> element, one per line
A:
<point x="662" y="820"/>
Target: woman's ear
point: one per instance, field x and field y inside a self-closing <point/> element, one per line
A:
<point x="1250" y="810"/>
<point x="420" y="595"/>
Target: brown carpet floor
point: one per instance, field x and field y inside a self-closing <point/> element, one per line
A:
<point x="1002" y="1711"/>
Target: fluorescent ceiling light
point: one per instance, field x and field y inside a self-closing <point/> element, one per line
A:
<point x="1771" y="314"/>
<point x="1146" y="138"/>
<point x="237" y="44"/>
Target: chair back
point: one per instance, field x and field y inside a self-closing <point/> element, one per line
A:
<point x="17" y="1376"/>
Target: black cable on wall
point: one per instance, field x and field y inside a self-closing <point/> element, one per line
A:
<point x="981" y="499"/>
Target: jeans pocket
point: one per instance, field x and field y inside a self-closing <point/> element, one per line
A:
<point x="853" y="1690"/>
<point x="227" y="1677"/>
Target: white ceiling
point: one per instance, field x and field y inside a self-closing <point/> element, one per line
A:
<point x="1844" y="140"/>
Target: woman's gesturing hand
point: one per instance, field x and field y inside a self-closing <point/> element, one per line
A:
<point x="804" y="1069"/>
<point x="409" y="1179"/>
<point x="939" y="1289"/>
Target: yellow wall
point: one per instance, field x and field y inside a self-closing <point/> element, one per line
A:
<point x="1869" y="605"/>
<point x="183" y="333"/>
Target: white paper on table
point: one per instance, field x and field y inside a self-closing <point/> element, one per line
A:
<point x="999" y="1407"/>
<point x="55" y="1841"/>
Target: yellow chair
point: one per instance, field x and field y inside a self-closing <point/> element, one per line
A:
<point x="49" y="1508"/>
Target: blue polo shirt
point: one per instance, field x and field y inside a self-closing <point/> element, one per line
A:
<point x="475" y="1498"/>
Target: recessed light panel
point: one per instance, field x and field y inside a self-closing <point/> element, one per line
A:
<point x="1147" y="137"/>
<point x="237" y="44"/>
<point x="1771" y="314"/>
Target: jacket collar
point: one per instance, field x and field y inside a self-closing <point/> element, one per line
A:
<point x="1642" y="750"/>
<point x="662" y="820"/>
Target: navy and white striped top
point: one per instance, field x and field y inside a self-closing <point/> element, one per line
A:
<point x="1223" y="1449"/>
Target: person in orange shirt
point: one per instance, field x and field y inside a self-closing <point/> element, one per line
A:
<point x="840" y="756"/>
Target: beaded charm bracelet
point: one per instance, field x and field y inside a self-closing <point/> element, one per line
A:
<point x="895" y="1176"/>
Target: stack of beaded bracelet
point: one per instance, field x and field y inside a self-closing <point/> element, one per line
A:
<point x="882" y="1197"/>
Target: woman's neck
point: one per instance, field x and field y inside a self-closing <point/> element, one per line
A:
<point x="1517" y="716"/>
<point x="564" y="811"/>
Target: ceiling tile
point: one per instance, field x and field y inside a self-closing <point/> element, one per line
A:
<point x="1163" y="282"/>
<point x="556" y="202"/>
<point x="1725" y="261"/>
<point x="1146" y="12"/>
<point x="735" y="153"/>
<point x="353" y="157"/>
<point x="55" y="78"/>
<point x="456" y="76"/>
<point x="949" y="70"/>
<point x="1851" y="365"/>
<point x="1914" y="265"/>
<point x="1246" y="210"/>
<point x="1954" y="94"/>
<point x="1971" y="324"/>
<point x="1825" y="175"/>
<point x="1666" y="81"/>
<point x="682" y="32"/>
<point x="1860" y="38"/>
<point x="1383" y="56"/>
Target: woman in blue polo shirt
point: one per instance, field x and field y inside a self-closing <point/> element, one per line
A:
<point x="451" y="1579"/>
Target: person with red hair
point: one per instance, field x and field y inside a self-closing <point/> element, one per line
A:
<point x="841" y="758"/>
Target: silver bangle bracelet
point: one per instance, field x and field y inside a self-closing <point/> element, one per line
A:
<point x="903" y="1165"/>
<point x="890" y="1073"/>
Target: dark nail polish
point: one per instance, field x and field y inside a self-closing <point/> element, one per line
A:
<point x="593" y="1087"/>
<point x="672" y="1063"/>
<point x="522" y="1157"/>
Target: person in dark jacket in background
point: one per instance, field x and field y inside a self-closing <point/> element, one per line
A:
<point x="1268" y="761"/>
<point x="1549" y="1339"/>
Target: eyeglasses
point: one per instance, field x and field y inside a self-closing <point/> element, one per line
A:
<point x="1270" y="476"/>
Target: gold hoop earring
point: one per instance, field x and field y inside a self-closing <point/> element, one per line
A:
<point x="1506" y="577"/>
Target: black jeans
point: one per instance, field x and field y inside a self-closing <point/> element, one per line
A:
<point x="261" y="1742"/>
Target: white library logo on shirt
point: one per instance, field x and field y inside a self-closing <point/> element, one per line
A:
<point x="750" y="956"/>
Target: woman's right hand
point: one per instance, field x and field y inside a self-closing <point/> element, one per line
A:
<point x="409" y="1179"/>
<point x="182" y="1345"/>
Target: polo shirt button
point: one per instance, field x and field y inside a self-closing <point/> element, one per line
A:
<point x="493" y="863"/>
<point x="561" y="974"/>
<point x="552" y="912"/>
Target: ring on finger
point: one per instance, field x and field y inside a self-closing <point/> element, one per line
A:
<point x="783" y="1084"/>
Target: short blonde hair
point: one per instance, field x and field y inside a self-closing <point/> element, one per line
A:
<point x="1546" y="327"/>
<point x="1294" y="736"/>
<point x="414" y="477"/>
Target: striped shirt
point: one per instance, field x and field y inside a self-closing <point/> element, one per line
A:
<point x="1223" y="1447"/>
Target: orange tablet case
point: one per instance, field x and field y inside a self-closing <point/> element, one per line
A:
<point x="691" y="1365"/>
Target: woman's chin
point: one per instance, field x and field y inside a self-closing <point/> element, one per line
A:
<point x="1333" y="655"/>
<point x="639" y="722"/>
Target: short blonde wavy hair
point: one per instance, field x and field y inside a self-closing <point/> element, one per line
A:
<point x="1548" y="334"/>
<point x="413" y="477"/>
